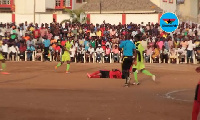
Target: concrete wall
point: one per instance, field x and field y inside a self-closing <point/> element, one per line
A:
<point x="27" y="6"/>
<point x="24" y="6"/>
<point x="4" y="18"/>
<point x="188" y="10"/>
<point x="167" y="6"/>
<point x="44" y="18"/>
<point x="61" y="17"/>
<point x="109" y="18"/>
<point x="50" y="4"/>
<point x="138" y="18"/>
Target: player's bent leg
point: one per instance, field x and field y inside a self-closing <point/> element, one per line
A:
<point x="146" y="72"/>
<point x="3" y="66"/>
<point x="59" y="64"/>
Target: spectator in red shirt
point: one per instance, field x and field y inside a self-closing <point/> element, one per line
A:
<point x="114" y="73"/>
<point x="22" y="50"/>
<point x="57" y="52"/>
<point x="36" y="33"/>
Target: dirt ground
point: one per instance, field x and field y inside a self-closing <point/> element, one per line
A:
<point x="34" y="91"/>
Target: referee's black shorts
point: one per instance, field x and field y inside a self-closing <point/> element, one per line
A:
<point x="127" y="63"/>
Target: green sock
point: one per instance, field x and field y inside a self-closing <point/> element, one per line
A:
<point x="135" y="76"/>
<point x="146" y="72"/>
<point x="68" y="66"/>
<point x="3" y="66"/>
<point x="59" y="64"/>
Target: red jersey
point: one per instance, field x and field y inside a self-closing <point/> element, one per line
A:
<point x="116" y="74"/>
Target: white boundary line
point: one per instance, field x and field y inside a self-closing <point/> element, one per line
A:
<point x="168" y="95"/>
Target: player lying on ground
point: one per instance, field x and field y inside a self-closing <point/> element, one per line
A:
<point x="3" y="64"/>
<point x="66" y="56"/>
<point x="139" y="64"/>
<point x="114" y="73"/>
<point x="196" y="105"/>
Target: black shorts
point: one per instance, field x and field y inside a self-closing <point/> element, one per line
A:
<point x="105" y="74"/>
<point x="127" y="62"/>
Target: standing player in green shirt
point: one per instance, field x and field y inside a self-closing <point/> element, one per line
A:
<point x="140" y="63"/>
<point x="66" y="56"/>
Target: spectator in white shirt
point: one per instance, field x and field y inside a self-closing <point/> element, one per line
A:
<point x="190" y="49"/>
<point x="13" y="50"/>
<point x="181" y="53"/>
<point x="99" y="52"/>
<point x="5" y="50"/>
<point x="89" y="52"/>
<point x="80" y="52"/>
<point x="73" y="52"/>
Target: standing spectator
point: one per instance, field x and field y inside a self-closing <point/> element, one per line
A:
<point x="184" y="43"/>
<point x="73" y="53"/>
<point x="5" y="50"/>
<point x="92" y="43"/>
<point x="190" y="50"/>
<point x="46" y="44"/>
<point x="86" y="44"/>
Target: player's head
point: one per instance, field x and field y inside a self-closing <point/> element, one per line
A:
<point x="138" y="38"/>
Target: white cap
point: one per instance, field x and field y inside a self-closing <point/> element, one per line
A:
<point x="99" y="45"/>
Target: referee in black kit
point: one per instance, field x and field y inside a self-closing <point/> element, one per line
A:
<point x="128" y="48"/>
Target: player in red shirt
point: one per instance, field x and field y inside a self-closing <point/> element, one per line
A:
<point x="114" y="73"/>
<point x="196" y="105"/>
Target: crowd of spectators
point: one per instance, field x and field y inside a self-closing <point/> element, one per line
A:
<point x="100" y="39"/>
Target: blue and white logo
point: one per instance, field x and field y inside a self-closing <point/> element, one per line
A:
<point x="169" y="22"/>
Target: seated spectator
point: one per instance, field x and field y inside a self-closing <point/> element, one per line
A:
<point x="80" y="54"/>
<point x="107" y="55"/>
<point x="156" y="53"/>
<point x="30" y="50"/>
<point x="99" y="53"/>
<point x="116" y="53"/>
<point x="39" y="53"/>
<point x="173" y="54"/>
<point x="89" y="53"/>
<point x="181" y="53"/>
<point x="148" y="53"/>
<point x="164" y="55"/>
<point x="13" y="51"/>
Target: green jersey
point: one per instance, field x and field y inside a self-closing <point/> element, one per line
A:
<point x="140" y="52"/>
